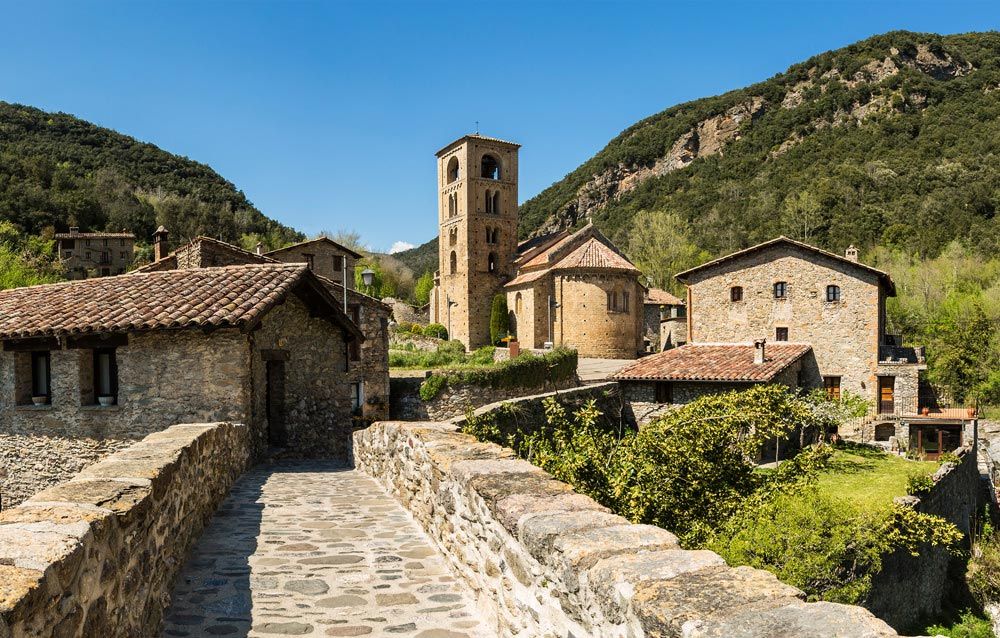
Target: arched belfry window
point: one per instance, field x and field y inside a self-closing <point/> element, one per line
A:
<point x="452" y="236"/>
<point x="490" y="167"/>
<point x="489" y="201"/>
<point x="452" y="205"/>
<point x="454" y="263"/>
<point x="491" y="262"/>
<point x="496" y="203"/>
<point x="453" y="171"/>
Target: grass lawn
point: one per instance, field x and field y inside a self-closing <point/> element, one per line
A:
<point x="450" y="354"/>
<point x="868" y="479"/>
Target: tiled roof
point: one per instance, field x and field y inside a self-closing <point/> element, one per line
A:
<point x="882" y="275"/>
<point x="477" y="136"/>
<point x="594" y="254"/>
<point x="542" y="258"/>
<point x="714" y="362"/>
<point x="94" y="236"/>
<point x="232" y="296"/>
<point x="527" y="278"/>
<point x="318" y="240"/>
<point x="170" y="261"/>
<point x="658" y="297"/>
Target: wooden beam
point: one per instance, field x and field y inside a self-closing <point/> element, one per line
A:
<point x="33" y="344"/>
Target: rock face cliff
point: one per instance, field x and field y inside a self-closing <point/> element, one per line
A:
<point x="713" y="134"/>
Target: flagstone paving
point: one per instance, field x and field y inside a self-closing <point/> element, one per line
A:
<point x="306" y="548"/>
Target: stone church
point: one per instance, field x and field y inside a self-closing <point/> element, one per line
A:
<point x="573" y="289"/>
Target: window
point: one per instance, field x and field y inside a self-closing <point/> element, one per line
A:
<point x="612" y="301"/>
<point x="625" y="301"/>
<point x="517" y="303"/>
<point x="832" y="387"/>
<point x="833" y="293"/>
<point x="453" y="263"/>
<point x="88" y="255"/>
<point x="338" y="263"/>
<point x="490" y="167"/>
<point x="664" y="392"/>
<point x="453" y="205"/>
<point x="69" y="243"/>
<point x="491" y="262"/>
<point x="357" y="397"/>
<point x="496" y="203"/>
<point x="736" y="293"/>
<point x="781" y="334"/>
<point x="452" y="236"/>
<point x="41" y="379"/>
<point x="310" y="260"/>
<point x="122" y="242"/>
<point x="453" y="170"/>
<point x="489" y="202"/>
<point x="105" y="376"/>
<point x="780" y="289"/>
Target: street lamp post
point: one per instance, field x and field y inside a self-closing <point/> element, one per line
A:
<point x="367" y="277"/>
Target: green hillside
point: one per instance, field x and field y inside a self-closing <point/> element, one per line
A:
<point x="58" y="171"/>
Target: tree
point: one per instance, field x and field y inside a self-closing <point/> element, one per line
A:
<point x="660" y="245"/>
<point x="346" y="238"/>
<point x="499" y="320"/>
<point x="422" y="289"/>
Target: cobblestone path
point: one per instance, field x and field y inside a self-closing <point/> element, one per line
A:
<point x="307" y="548"/>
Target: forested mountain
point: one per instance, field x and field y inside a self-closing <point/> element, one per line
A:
<point x="891" y="141"/>
<point x="58" y="171"/>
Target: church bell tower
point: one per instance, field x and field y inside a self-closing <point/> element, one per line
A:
<point x="477" y="239"/>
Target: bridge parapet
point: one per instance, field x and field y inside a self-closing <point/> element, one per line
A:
<point x="547" y="561"/>
<point x="97" y="555"/>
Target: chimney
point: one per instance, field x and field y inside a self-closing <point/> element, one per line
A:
<point x="852" y="253"/>
<point x="74" y="230"/>
<point x="160" y="246"/>
<point x="758" y="351"/>
<point x="260" y="248"/>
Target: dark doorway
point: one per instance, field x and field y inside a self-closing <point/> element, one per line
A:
<point x="934" y="440"/>
<point x="887" y="395"/>
<point x="275" y="396"/>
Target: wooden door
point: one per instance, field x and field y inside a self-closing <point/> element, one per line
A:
<point x="275" y="397"/>
<point x="886" y="395"/>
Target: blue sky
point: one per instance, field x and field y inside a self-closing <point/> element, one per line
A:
<point x="327" y="114"/>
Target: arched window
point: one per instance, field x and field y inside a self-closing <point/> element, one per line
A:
<point x="496" y="203"/>
<point x="517" y="303"/>
<point x="736" y="293"/>
<point x="453" y="171"/>
<point x="489" y="201"/>
<point x="454" y="262"/>
<point x="496" y="236"/>
<point x="491" y="262"/>
<point x="833" y="293"/>
<point x="490" y="167"/>
<point x="452" y="236"/>
<point x="489" y="235"/>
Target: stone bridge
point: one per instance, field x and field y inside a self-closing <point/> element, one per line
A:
<point x="431" y="534"/>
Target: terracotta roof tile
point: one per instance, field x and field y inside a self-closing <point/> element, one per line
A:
<point x="658" y="297"/>
<point x="94" y="236"/>
<point x="714" y="362"/>
<point x="594" y="254"/>
<point x="232" y="296"/>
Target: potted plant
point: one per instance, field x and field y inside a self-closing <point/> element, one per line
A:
<point x="105" y="400"/>
<point x="925" y="410"/>
<point x="40" y="400"/>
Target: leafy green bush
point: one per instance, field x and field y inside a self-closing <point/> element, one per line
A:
<point x="449" y="353"/>
<point x="524" y="371"/>
<point x="432" y="386"/>
<point x="969" y="625"/>
<point x="435" y="330"/>
<point x="917" y="484"/>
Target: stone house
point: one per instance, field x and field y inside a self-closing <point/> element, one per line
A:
<point x="657" y="383"/>
<point x="572" y="289"/>
<point x="94" y="254"/>
<point x="368" y="368"/>
<point x="664" y="320"/>
<point x="577" y="290"/>
<point x="121" y="357"/>
<point x="324" y="256"/>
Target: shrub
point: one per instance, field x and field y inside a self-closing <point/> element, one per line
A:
<point x="432" y="386"/>
<point x="435" y="330"/>
<point x="917" y="484"/>
<point x="524" y="371"/>
<point x="499" y="321"/>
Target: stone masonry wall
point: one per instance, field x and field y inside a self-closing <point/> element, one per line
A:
<point x="96" y="556"/>
<point x="583" y="321"/>
<point x="844" y="334"/>
<point x="546" y="561"/>
<point x="32" y="462"/>
<point x="911" y="587"/>
<point x="513" y="414"/>
<point x="455" y="400"/>
<point x="164" y="377"/>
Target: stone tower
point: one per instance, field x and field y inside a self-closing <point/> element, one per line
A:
<point x="477" y="216"/>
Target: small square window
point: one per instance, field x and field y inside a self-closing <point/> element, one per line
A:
<point x="780" y="289"/>
<point x="105" y="373"/>
<point x="736" y="293"/>
<point x="833" y="293"/>
<point x="664" y="392"/>
<point x="781" y="334"/>
<point x="357" y="397"/>
<point x="832" y="387"/>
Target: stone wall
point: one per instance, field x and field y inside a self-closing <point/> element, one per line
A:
<point x="455" y="400"/>
<point x="96" y="556"/>
<point x="512" y="415"/>
<point x="911" y="588"/>
<point x="583" y="321"/>
<point x="31" y="462"/>
<point x="546" y="561"/>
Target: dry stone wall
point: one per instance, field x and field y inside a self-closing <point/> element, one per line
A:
<point x="455" y="399"/>
<point x="96" y="556"/>
<point x="546" y="561"/>
<point x="31" y="462"/>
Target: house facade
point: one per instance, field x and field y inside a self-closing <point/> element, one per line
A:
<point x="324" y="257"/>
<point x="368" y="361"/>
<point x="122" y="357"/>
<point x="664" y="320"/>
<point x="85" y="255"/>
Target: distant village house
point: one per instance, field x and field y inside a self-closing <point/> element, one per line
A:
<point x="86" y="255"/>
